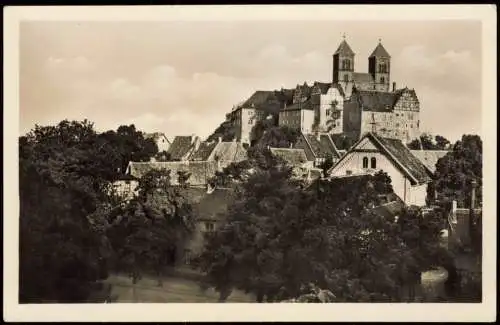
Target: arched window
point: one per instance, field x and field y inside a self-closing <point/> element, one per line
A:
<point x="365" y="162"/>
<point x="382" y="68"/>
<point x="373" y="163"/>
<point x="382" y="80"/>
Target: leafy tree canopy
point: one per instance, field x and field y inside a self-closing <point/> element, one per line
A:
<point x="426" y="142"/>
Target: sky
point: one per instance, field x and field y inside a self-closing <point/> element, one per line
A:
<point x="182" y="77"/>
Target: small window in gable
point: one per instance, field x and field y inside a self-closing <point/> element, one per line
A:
<point x="373" y="163"/>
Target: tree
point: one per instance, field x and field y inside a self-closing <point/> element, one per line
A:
<point x="441" y="142"/>
<point x="457" y="169"/>
<point x="150" y="229"/>
<point x="63" y="247"/>
<point x="280" y="238"/>
<point x="265" y="134"/>
<point x="226" y="131"/>
<point x="426" y="142"/>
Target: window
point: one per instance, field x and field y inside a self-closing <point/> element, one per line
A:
<point x="346" y="78"/>
<point x="382" y="80"/>
<point x="209" y="226"/>
<point x="373" y="163"/>
<point x="348" y="172"/>
<point x="327" y="112"/>
<point x="365" y="162"/>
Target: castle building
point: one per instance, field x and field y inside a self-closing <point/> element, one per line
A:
<point x="256" y="108"/>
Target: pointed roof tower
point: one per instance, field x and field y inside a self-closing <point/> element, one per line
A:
<point x="344" y="49"/>
<point x="380" y="51"/>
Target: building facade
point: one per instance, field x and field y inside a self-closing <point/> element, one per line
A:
<point x="372" y="153"/>
<point x="394" y="114"/>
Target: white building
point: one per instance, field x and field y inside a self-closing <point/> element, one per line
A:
<point x="372" y="153"/>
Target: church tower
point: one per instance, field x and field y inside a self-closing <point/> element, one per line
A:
<point x="343" y="63"/>
<point x="379" y="66"/>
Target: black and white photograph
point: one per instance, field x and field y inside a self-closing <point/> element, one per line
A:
<point x="212" y="159"/>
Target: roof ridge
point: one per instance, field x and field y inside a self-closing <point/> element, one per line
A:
<point x="395" y="159"/>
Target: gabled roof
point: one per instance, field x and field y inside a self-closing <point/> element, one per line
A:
<point x="229" y="152"/>
<point x="201" y="171"/>
<point x="380" y="52"/>
<point x="429" y="157"/>
<point x="400" y="155"/>
<point x="344" y="49"/>
<point x="294" y="157"/>
<point x="204" y="151"/>
<point x="180" y="147"/>
<point x="321" y="145"/>
<point x="378" y="101"/>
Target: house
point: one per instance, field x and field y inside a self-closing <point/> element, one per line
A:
<point x="256" y="108"/>
<point x="392" y="114"/>
<point x="317" y="147"/>
<point x="209" y="205"/>
<point x="299" y="115"/>
<point x="328" y="115"/>
<point x="223" y="152"/>
<point x="125" y="187"/>
<point x="302" y="168"/>
<point x="160" y="139"/>
<point x="199" y="172"/>
<point x="182" y="147"/>
<point x="372" y="153"/>
<point x="429" y="157"/>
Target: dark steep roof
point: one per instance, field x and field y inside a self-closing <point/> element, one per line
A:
<point x="429" y="157"/>
<point x="378" y="101"/>
<point x="180" y="146"/>
<point x="294" y="157"/>
<point x="259" y="98"/>
<point x="308" y="104"/>
<point x="399" y="154"/>
<point x="201" y="171"/>
<point x="203" y="151"/>
<point x="344" y="49"/>
<point x="380" y="52"/>
<point x="323" y="86"/>
<point x="323" y="146"/>
<point x="404" y="156"/>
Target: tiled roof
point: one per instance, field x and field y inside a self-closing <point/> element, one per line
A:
<point x="204" y="151"/>
<point x="378" y="101"/>
<point x="344" y="49"/>
<point x="403" y="155"/>
<point x="294" y="157"/>
<point x="429" y="157"/>
<point x="362" y="77"/>
<point x="308" y="104"/>
<point x="180" y="147"/>
<point x="201" y="171"/>
<point x="380" y="52"/>
<point x="228" y="152"/>
<point x="323" y="146"/>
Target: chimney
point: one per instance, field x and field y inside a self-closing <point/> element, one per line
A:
<point x="393" y="86"/>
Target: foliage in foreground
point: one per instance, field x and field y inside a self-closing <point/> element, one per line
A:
<point x="279" y="238"/>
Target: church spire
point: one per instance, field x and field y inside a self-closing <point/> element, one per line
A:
<point x="380" y="51"/>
